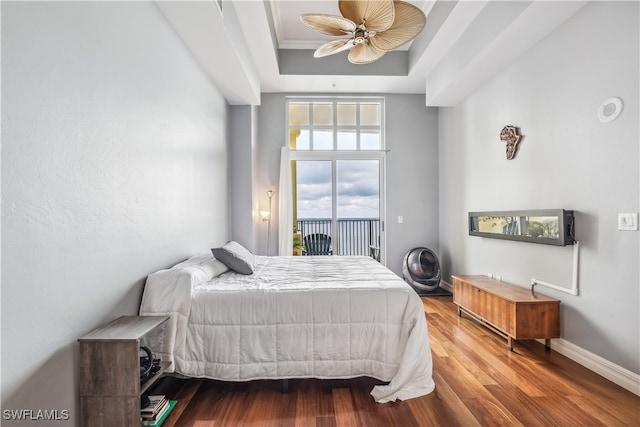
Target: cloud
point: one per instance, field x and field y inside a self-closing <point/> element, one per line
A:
<point x="358" y="178"/>
<point x="357" y="188"/>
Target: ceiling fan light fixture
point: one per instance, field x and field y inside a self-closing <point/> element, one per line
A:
<point x="374" y="27"/>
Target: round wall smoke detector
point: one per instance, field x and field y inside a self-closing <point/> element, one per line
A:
<point x="610" y="110"/>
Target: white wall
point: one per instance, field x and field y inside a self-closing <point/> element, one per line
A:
<point x="241" y="176"/>
<point x="412" y="177"/>
<point x="412" y="170"/>
<point x="567" y="159"/>
<point x="113" y="166"/>
<point x="270" y="138"/>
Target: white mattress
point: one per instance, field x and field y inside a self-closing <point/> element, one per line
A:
<point x="295" y="317"/>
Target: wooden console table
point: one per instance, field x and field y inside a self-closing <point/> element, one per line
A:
<point x="509" y="310"/>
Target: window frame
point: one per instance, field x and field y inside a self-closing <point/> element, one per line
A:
<point x="334" y="128"/>
<point x="334" y="155"/>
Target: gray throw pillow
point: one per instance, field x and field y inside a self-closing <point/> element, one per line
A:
<point x="236" y="257"/>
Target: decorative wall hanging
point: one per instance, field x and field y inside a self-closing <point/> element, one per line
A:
<point x="511" y="135"/>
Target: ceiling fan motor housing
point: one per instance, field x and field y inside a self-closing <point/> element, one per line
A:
<point x="360" y="36"/>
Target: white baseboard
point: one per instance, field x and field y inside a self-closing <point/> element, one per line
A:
<point x="614" y="373"/>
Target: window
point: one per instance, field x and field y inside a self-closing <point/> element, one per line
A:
<point x="342" y="124"/>
<point x="338" y="172"/>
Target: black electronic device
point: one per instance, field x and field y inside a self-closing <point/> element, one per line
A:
<point x="149" y="364"/>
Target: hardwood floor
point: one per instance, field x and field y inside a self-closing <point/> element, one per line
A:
<point x="479" y="382"/>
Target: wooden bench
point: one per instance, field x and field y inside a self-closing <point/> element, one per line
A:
<point x="509" y="310"/>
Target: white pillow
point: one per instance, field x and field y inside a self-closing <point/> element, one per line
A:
<point x="194" y="260"/>
<point x="210" y="266"/>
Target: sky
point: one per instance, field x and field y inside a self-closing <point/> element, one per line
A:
<point x="358" y="189"/>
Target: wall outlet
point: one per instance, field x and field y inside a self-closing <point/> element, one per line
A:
<point x="628" y="221"/>
<point x="400" y="219"/>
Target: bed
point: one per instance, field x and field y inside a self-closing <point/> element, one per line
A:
<point x="293" y="317"/>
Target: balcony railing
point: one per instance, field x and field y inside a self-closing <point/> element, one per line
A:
<point x="355" y="236"/>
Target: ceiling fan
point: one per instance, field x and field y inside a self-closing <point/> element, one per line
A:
<point x="373" y="26"/>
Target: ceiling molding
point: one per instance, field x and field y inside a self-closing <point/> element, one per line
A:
<point x="276" y="21"/>
<point x="488" y="46"/>
<point x="299" y="44"/>
<point x="464" y="44"/>
<point x="276" y="7"/>
<point x="199" y="23"/>
<point x="447" y="22"/>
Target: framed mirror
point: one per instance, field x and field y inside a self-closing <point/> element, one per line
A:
<point x="546" y="226"/>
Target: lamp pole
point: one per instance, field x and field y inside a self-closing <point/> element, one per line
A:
<point x="270" y="194"/>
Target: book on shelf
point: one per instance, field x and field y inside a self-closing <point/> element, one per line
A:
<point x="156" y="403"/>
<point x="157" y="414"/>
<point x="161" y="416"/>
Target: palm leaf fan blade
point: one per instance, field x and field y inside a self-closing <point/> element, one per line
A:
<point x="377" y="14"/>
<point x="328" y="24"/>
<point x="331" y="47"/>
<point x="409" y="21"/>
<point x="364" y="54"/>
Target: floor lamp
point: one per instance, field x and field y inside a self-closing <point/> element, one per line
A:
<point x="266" y="216"/>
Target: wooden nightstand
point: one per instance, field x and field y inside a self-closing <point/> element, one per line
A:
<point x="110" y="386"/>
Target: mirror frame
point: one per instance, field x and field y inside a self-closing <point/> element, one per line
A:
<point x="566" y="226"/>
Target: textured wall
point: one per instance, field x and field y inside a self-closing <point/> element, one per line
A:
<point x="567" y="159"/>
<point x="114" y="164"/>
<point x="241" y="217"/>
<point x="412" y="177"/>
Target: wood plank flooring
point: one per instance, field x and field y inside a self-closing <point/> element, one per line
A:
<point x="479" y="382"/>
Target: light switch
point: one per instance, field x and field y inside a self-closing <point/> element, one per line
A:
<point x="628" y="221"/>
<point x="400" y="219"/>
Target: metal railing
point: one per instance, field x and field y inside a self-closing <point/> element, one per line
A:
<point x="354" y="235"/>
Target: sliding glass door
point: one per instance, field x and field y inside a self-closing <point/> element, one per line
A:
<point x="338" y="203"/>
<point x="358" y="206"/>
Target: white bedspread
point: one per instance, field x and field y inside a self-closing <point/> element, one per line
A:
<point x="295" y="317"/>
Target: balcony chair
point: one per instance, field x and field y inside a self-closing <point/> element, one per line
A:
<point x="317" y="244"/>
